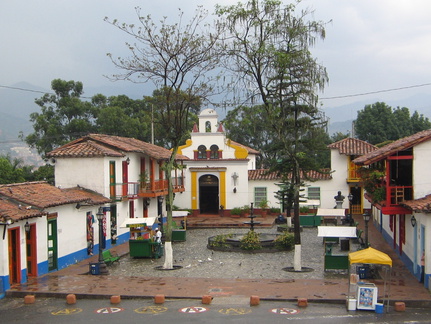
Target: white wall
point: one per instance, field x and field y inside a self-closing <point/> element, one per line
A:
<point x="421" y="170"/>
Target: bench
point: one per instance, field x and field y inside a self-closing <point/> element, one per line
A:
<point x="109" y="258"/>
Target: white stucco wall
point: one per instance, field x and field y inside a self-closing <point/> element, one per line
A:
<point x="422" y="170"/>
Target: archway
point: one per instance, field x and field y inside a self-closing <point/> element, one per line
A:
<point x="208" y="194"/>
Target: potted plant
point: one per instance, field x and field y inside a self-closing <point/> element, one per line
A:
<point x="236" y="212"/>
<point x="263" y="207"/>
<point x="245" y="210"/>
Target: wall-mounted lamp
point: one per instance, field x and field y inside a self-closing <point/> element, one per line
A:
<point x="413" y="221"/>
<point x="234" y="190"/>
<point x="128" y="161"/>
<point x="6" y="221"/>
<point x="53" y="160"/>
<point x="147" y="202"/>
<point x="78" y="205"/>
<point x="27" y="227"/>
<point x="160" y="198"/>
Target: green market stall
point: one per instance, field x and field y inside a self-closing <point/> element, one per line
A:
<point x="141" y="242"/>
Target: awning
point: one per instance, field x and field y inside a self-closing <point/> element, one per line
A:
<point x="138" y="222"/>
<point x="336" y="231"/>
<point x="370" y="255"/>
<point x="180" y="213"/>
<point x="333" y="212"/>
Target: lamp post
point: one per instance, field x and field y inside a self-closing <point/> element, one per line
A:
<point x="366" y="220"/>
<point x="350" y="197"/>
<point x="103" y="269"/>
<point x="160" y="211"/>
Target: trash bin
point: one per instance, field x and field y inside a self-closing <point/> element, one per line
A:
<point x="345" y="245"/>
<point x="363" y="271"/>
<point x="94" y="268"/>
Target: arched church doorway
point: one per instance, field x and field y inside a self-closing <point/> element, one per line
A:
<point x="208" y="194"/>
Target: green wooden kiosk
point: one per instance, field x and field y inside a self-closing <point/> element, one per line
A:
<point x="334" y="257"/>
<point x="141" y="243"/>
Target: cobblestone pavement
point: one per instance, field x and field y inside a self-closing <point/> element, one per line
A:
<point x="199" y="261"/>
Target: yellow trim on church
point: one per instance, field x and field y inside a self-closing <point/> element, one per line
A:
<point x="194" y="189"/>
<point x="222" y="188"/>
<point x="188" y="143"/>
<point x="240" y="152"/>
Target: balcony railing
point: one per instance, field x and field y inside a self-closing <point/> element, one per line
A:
<point x="128" y="190"/>
<point x="397" y="194"/>
<point x="133" y="190"/>
<point x="353" y="175"/>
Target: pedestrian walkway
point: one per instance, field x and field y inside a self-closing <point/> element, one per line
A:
<point x="74" y="280"/>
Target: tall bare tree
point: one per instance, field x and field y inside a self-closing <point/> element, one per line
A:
<point x="180" y="59"/>
<point x="268" y="44"/>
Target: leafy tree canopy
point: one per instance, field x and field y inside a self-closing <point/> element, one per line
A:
<point x="380" y="122"/>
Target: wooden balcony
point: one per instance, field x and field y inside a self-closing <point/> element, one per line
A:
<point x="397" y="194"/>
<point x="353" y="174"/>
<point x="134" y="190"/>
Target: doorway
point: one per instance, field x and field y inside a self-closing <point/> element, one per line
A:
<point x="52" y="244"/>
<point x="208" y="194"/>
<point x="30" y="242"/>
<point x="14" y="256"/>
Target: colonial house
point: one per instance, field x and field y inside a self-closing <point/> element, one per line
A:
<point x="402" y="213"/>
<point x="37" y="219"/>
<point x="128" y="171"/>
<point x="345" y="174"/>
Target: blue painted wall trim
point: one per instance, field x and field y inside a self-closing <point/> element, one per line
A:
<point x="406" y="260"/>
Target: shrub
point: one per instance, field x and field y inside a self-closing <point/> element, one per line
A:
<point x="250" y="241"/>
<point x="236" y="211"/>
<point x="304" y="209"/>
<point x="220" y="240"/>
<point x="245" y="209"/>
<point x="275" y="210"/>
<point x="285" y="241"/>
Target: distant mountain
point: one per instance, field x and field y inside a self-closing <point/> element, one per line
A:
<point x="17" y="103"/>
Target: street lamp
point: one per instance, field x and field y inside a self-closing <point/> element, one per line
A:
<point x="350" y="197"/>
<point x="366" y="220"/>
<point x="160" y="211"/>
<point x="103" y="269"/>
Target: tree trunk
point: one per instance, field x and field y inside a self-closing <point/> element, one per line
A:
<point x="169" y="263"/>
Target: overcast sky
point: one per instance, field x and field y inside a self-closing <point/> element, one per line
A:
<point x="371" y="45"/>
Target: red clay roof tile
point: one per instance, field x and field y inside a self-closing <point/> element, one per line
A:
<point x="264" y="174"/>
<point x="352" y="146"/>
<point x="392" y="148"/>
<point x="94" y="145"/>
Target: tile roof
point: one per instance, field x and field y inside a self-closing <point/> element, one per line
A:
<point x="249" y="149"/>
<point x="16" y="212"/>
<point x="352" y="146"/>
<point x="94" y="145"/>
<point x="43" y="195"/>
<point x="264" y="174"/>
<point x="392" y="148"/>
<point x="419" y="205"/>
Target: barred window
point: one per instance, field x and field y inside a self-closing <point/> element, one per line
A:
<point x="214" y="152"/>
<point x="260" y="193"/>
<point x="314" y="193"/>
<point x="202" y="152"/>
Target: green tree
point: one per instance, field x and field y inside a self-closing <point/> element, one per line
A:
<point x="379" y="122"/>
<point x="250" y="126"/>
<point x="10" y="171"/>
<point x="63" y="117"/>
<point x="269" y="47"/>
<point x="122" y="116"/>
<point x="179" y="59"/>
